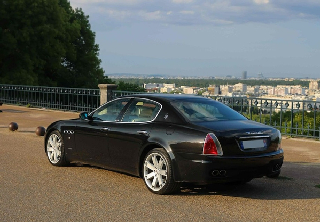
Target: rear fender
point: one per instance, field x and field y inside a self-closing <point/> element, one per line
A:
<point x="159" y="143"/>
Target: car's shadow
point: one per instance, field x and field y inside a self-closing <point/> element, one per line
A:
<point x="293" y="183"/>
<point x="281" y="188"/>
<point x="257" y="189"/>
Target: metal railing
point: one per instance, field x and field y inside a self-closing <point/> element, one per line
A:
<point x="299" y="118"/>
<point x="119" y="93"/>
<point x="71" y="99"/>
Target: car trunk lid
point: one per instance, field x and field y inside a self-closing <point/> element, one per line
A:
<point x="242" y="137"/>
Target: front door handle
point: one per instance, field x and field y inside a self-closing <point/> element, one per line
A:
<point x="105" y="129"/>
<point x="143" y="132"/>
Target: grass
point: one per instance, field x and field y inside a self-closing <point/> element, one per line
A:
<point x="317" y="186"/>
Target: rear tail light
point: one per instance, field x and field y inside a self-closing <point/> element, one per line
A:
<point x="212" y="145"/>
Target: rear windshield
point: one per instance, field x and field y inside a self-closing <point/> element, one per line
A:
<point x="196" y="110"/>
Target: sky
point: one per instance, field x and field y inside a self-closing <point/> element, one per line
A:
<point x="278" y="38"/>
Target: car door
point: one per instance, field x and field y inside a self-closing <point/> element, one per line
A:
<point x="128" y="136"/>
<point x="91" y="136"/>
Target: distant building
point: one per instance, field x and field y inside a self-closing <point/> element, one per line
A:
<point x="313" y="85"/>
<point x="244" y="75"/>
<point x="260" y="75"/>
<point x="188" y="90"/>
<point x="240" y="87"/>
<point x="226" y="89"/>
<point x="152" y="85"/>
<point x="214" y="90"/>
<point x="256" y="90"/>
<point x="166" y="90"/>
<point x="297" y="90"/>
<point x="281" y="91"/>
<point x="172" y="85"/>
<point x="272" y="91"/>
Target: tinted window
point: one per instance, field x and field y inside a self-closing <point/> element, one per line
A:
<point x="205" y="110"/>
<point x="110" y="111"/>
<point x="141" y="111"/>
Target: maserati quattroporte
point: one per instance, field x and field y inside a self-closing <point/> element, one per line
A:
<point x="168" y="140"/>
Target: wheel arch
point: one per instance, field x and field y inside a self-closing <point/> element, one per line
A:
<point x="152" y="146"/>
<point x="48" y="132"/>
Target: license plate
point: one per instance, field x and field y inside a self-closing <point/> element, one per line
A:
<point x="254" y="144"/>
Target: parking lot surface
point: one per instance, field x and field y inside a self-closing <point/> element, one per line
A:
<point x="31" y="189"/>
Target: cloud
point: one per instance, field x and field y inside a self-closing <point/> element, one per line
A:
<point x="200" y="12"/>
<point x="157" y="15"/>
<point x="261" y="1"/>
<point x="182" y="1"/>
<point x="187" y="12"/>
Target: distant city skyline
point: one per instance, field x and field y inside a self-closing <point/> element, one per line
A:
<point x="207" y="38"/>
<point x="240" y="77"/>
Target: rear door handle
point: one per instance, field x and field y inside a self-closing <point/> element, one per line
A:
<point x="105" y="129"/>
<point x="143" y="132"/>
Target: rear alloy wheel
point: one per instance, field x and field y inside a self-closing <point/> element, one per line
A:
<point x="55" y="149"/>
<point x="157" y="172"/>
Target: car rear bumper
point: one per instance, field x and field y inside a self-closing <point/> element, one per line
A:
<point x="213" y="169"/>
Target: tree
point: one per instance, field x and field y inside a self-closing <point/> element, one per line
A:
<point x="81" y="65"/>
<point x="130" y="87"/>
<point x="31" y="37"/>
<point x="47" y="42"/>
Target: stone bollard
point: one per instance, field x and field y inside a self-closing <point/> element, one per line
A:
<point x="40" y="131"/>
<point x="13" y="126"/>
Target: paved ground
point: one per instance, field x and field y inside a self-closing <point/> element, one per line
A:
<point x="31" y="189"/>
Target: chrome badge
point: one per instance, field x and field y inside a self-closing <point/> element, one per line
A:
<point x="68" y="131"/>
<point x="256" y="132"/>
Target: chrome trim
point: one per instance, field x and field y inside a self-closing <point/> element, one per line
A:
<point x="107" y="103"/>
<point x="143" y="132"/>
<point x="253" y="137"/>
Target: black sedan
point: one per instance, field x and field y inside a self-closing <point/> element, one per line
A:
<point x="168" y="140"/>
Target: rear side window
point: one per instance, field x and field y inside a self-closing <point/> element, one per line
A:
<point x="196" y="110"/>
<point x="141" y="111"/>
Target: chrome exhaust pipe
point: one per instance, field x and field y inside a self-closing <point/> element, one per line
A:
<point x="216" y="173"/>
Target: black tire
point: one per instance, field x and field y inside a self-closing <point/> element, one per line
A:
<point x="55" y="149"/>
<point x="274" y="175"/>
<point x="159" y="178"/>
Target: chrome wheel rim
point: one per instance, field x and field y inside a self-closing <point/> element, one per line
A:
<point x="155" y="171"/>
<point x="54" y="148"/>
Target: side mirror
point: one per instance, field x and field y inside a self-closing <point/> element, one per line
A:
<point x="85" y="116"/>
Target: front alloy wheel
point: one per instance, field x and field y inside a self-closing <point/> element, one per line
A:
<point x="157" y="172"/>
<point x="55" y="149"/>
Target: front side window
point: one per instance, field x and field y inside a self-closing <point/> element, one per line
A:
<point x="110" y="111"/>
<point x="196" y="110"/>
<point x="141" y="111"/>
